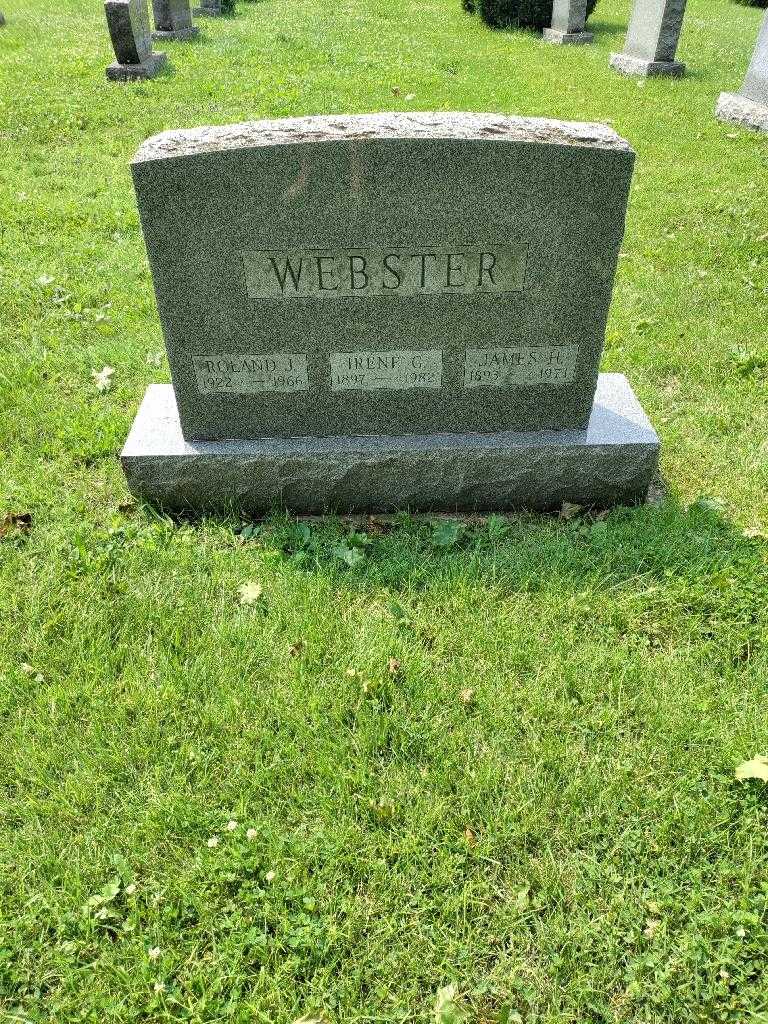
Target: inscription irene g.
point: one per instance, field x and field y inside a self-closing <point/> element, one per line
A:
<point x="251" y="374"/>
<point x="520" y="367"/>
<point x="409" y="270"/>
<point x="397" y="370"/>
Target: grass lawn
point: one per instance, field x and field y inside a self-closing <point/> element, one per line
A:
<point x="535" y="801"/>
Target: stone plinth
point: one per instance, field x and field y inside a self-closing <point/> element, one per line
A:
<point x="148" y="68"/>
<point x="551" y="35"/>
<point x="611" y="461"/>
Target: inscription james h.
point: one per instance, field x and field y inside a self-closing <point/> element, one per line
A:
<point x="519" y="367"/>
<point x="410" y="270"/>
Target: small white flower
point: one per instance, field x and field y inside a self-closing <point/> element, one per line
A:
<point x="130" y="889"/>
<point x="231" y="826"/>
<point x="154" y="953"/>
<point x="270" y="876"/>
<point x="251" y="833"/>
<point x="159" y="987"/>
<point x="213" y="841"/>
<point x="103" y="378"/>
<point x="741" y="931"/>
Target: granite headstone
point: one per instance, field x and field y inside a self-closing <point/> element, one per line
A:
<point x="749" y="106"/>
<point x="652" y="38"/>
<point x="209" y="9"/>
<point x="393" y="272"/>
<point x="368" y="311"/>
<point x="569" y="18"/>
<point x="173" y="20"/>
<point x="131" y="35"/>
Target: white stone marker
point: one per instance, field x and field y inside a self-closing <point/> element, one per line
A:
<point x="652" y="37"/>
<point x="569" y="18"/>
<point x="749" y="106"/>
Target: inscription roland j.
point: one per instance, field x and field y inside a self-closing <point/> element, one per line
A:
<point x="520" y="367"/>
<point x="251" y="374"/>
<point x="395" y="370"/>
<point x="403" y="270"/>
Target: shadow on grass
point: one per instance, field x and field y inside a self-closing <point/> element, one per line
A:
<point x="517" y="552"/>
<point x="603" y="29"/>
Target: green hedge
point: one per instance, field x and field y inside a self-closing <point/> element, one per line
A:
<point x="518" y="13"/>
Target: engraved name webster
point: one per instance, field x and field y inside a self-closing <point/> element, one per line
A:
<point x="401" y="270"/>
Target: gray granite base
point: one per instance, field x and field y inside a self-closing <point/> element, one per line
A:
<point x="739" y="110"/>
<point x="611" y="462"/>
<point x="628" y="65"/>
<point x="135" y="72"/>
<point x="552" y="35"/>
<point x="181" y="35"/>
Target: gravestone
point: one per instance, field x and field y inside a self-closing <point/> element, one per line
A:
<point x="749" y="106"/>
<point x="209" y="9"/>
<point x="652" y="38"/>
<point x="173" y="20"/>
<point x="383" y="311"/>
<point x="569" y="18"/>
<point x="129" y="29"/>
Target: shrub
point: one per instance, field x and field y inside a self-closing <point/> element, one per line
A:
<point x="745" y="3"/>
<point x="518" y="13"/>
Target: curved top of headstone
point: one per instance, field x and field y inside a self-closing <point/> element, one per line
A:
<point x="363" y="127"/>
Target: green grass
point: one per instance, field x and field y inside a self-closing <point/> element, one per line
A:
<point x="566" y="843"/>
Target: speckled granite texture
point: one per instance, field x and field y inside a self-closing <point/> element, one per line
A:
<point x="443" y="197"/>
<point x="652" y="38"/>
<point x="610" y="462"/>
<point x="734" y="108"/>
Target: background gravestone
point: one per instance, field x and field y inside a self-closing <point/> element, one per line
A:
<point x="209" y="8"/>
<point x="395" y="310"/>
<point x="173" y="20"/>
<point x="750" y="105"/>
<point x="569" y="18"/>
<point x="129" y="29"/>
<point x="652" y="38"/>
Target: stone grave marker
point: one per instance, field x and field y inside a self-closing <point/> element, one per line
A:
<point x="131" y="35"/>
<point x="209" y="9"/>
<point x="749" y="106"/>
<point x="569" y="18"/>
<point x="383" y="311"/>
<point x="173" y="20"/>
<point x="652" y="38"/>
